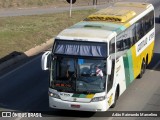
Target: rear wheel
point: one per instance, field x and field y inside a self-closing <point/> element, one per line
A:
<point x="144" y="66"/>
<point x="146" y="61"/>
<point x="143" y="69"/>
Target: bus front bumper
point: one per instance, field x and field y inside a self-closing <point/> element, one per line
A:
<point x="67" y="105"/>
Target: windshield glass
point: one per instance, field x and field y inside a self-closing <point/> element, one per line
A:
<point x="78" y="75"/>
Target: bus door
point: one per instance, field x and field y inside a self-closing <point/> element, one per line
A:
<point x="111" y="79"/>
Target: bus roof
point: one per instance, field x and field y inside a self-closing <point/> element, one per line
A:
<point x="103" y="24"/>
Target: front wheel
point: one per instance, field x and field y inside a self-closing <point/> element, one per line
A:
<point x="115" y="100"/>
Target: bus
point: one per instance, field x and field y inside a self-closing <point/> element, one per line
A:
<point x="94" y="61"/>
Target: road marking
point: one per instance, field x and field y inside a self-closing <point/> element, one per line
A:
<point x="19" y="67"/>
<point x="27" y="8"/>
<point x="154" y="68"/>
<point x="18" y="118"/>
<point x="110" y="118"/>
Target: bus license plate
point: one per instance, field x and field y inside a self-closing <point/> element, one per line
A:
<point x="75" y="106"/>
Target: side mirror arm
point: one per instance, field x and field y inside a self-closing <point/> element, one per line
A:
<point x="109" y="65"/>
<point x="45" y="60"/>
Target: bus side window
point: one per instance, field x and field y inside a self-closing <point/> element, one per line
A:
<point x="147" y="26"/>
<point x="127" y="39"/>
<point x="123" y="41"/>
<point x="137" y="31"/>
<point x="133" y="34"/>
<point x="112" y="46"/>
<point x="126" y="43"/>
<point x="119" y="43"/>
<point x="151" y="16"/>
<point x="142" y="28"/>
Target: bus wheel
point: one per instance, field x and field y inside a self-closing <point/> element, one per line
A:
<point x="144" y="66"/>
<point x="143" y="69"/>
<point x="115" y="99"/>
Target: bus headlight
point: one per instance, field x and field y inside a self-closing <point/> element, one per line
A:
<point x="54" y="95"/>
<point x="96" y="99"/>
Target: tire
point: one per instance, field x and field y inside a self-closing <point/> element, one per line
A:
<point x="115" y="100"/>
<point x="144" y="66"/>
<point x="143" y="69"/>
<point x="146" y="63"/>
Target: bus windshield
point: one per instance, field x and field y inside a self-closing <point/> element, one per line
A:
<point x="78" y="75"/>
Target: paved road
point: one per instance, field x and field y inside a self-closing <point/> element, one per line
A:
<point x="38" y="11"/>
<point x="25" y="89"/>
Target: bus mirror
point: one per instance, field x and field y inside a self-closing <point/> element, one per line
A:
<point x="45" y="60"/>
<point x="109" y="65"/>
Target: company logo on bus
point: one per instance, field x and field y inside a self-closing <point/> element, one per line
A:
<point x="144" y="43"/>
<point x="65" y="94"/>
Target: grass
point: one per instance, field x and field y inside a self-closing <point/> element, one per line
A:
<point x="29" y="3"/>
<point x="24" y="32"/>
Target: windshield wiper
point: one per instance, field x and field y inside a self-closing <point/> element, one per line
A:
<point x="84" y="92"/>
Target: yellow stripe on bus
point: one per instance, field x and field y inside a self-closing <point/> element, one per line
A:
<point x="127" y="25"/>
<point x="90" y="96"/>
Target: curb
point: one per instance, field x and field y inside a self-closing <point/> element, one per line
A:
<point x="31" y="52"/>
<point x="39" y="48"/>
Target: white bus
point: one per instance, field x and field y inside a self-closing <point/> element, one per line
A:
<point x="93" y="62"/>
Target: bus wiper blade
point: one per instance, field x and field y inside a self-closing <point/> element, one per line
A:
<point x="84" y="92"/>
